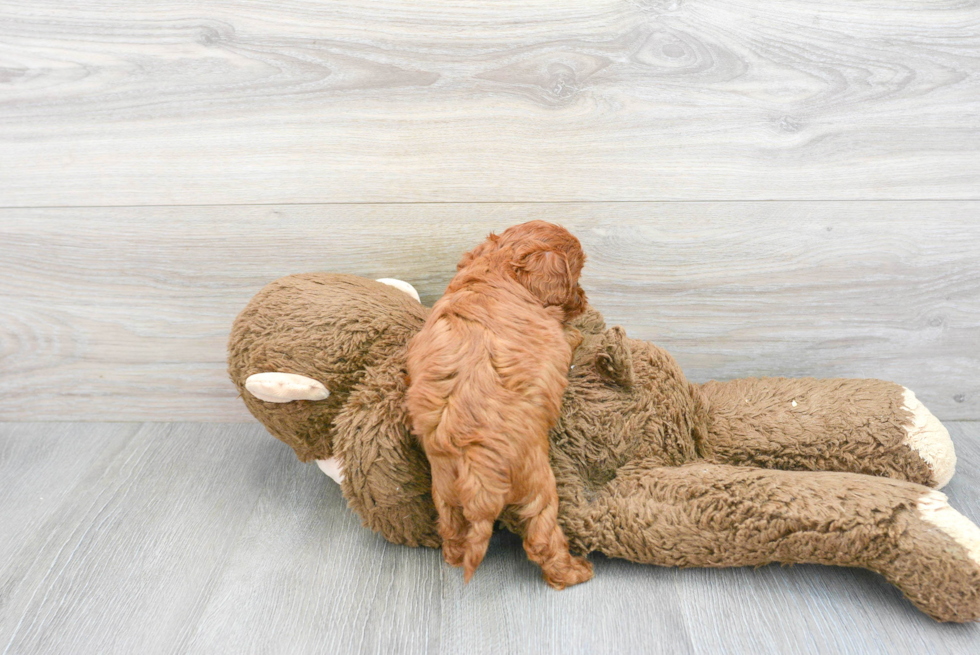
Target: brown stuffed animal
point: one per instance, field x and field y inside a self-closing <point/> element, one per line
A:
<point x="650" y="467"/>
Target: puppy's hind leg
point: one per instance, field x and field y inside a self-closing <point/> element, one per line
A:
<point x="453" y="528"/>
<point x="452" y="523"/>
<point x="483" y="493"/>
<point x="544" y="541"/>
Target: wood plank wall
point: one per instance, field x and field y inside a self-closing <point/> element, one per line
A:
<point x="763" y="188"/>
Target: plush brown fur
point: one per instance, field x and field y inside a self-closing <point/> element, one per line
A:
<point x="324" y="327"/>
<point x="649" y="467"/>
<point x="487" y="372"/>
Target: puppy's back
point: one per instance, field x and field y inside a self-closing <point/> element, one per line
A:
<point x="486" y="360"/>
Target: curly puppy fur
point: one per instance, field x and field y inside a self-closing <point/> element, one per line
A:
<point x="487" y="373"/>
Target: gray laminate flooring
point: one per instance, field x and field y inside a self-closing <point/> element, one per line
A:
<point x="212" y="538"/>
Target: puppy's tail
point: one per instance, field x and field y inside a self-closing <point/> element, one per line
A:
<point x="482" y="488"/>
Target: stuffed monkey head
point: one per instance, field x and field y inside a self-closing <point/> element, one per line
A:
<point x="327" y="328"/>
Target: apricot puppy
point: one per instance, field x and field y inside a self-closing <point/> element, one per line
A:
<point x="487" y="373"/>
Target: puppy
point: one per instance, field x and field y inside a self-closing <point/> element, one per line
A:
<point x="487" y="373"/>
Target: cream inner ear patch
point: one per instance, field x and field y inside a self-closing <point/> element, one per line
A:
<point x="401" y="286"/>
<point x="285" y="387"/>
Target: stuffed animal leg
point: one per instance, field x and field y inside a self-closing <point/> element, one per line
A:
<point x="712" y="515"/>
<point x="807" y="424"/>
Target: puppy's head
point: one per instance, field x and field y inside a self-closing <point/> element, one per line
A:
<point x="516" y="235"/>
<point x="548" y="261"/>
<point x="551" y="274"/>
<point x="545" y="258"/>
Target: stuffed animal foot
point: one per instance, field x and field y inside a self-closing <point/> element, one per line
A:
<point x="936" y="560"/>
<point x="928" y="437"/>
<point x="934" y="509"/>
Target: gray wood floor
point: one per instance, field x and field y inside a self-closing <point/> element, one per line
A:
<point x="213" y="538"/>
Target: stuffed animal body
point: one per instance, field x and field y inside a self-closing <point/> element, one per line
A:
<point x="649" y="466"/>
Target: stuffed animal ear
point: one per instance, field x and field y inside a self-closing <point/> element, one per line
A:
<point x="614" y="359"/>
<point x="545" y="272"/>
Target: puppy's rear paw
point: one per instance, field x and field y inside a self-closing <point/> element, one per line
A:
<point x="453" y="552"/>
<point x="572" y="571"/>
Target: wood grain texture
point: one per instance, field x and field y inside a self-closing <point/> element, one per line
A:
<point x="32" y="454"/>
<point x="214" y="539"/>
<point x="305" y="576"/>
<point x="111" y="102"/>
<point x="123" y="313"/>
<point x="507" y="609"/>
<point x="125" y="563"/>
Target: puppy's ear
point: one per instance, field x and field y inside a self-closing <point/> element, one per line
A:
<point x="545" y="273"/>
<point x="491" y="243"/>
<point x="614" y="359"/>
<point x="576" y="305"/>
